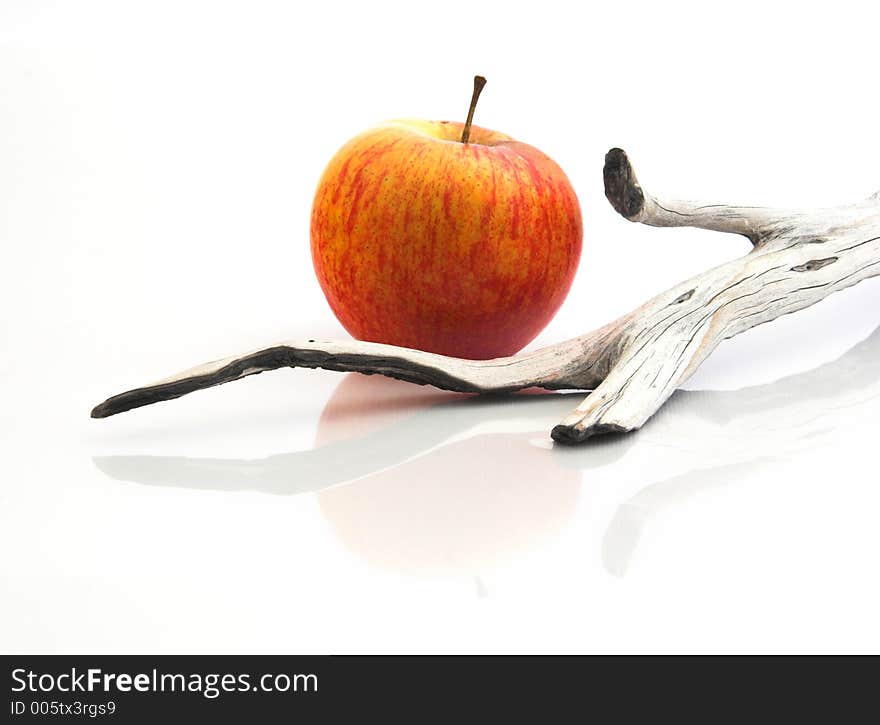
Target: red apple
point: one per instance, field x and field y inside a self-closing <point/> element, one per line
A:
<point x="421" y="240"/>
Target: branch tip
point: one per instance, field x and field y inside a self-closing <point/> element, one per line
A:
<point x="621" y="185"/>
<point x="571" y="435"/>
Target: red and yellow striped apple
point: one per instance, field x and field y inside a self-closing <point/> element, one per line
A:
<point x="461" y="248"/>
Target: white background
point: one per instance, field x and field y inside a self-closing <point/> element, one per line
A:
<point x="157" y="163"/>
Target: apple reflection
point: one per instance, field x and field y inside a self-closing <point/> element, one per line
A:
<point x="470" y="503"/>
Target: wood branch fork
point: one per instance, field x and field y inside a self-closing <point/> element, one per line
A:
<point x="633" y="364"/>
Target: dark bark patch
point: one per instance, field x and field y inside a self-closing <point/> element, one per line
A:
<point x="683" y="297"/>
<point x="812" y="240"/>
<point x="814" y="264"/>
<point x="569" y="435"/>
<point x="621" y="186"/>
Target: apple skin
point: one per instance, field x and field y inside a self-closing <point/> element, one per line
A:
<point x="422" y="241"/>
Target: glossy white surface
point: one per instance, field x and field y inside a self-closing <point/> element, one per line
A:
<point x="156" y="172"/>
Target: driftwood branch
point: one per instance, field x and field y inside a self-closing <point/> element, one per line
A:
<point x="633" y="364"/>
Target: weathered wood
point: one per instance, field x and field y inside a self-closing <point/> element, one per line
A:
<point x="633" y="364"/>
<point x="798" y="258"/>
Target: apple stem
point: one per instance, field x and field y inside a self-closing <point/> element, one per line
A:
<point x="479" y="82"/>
